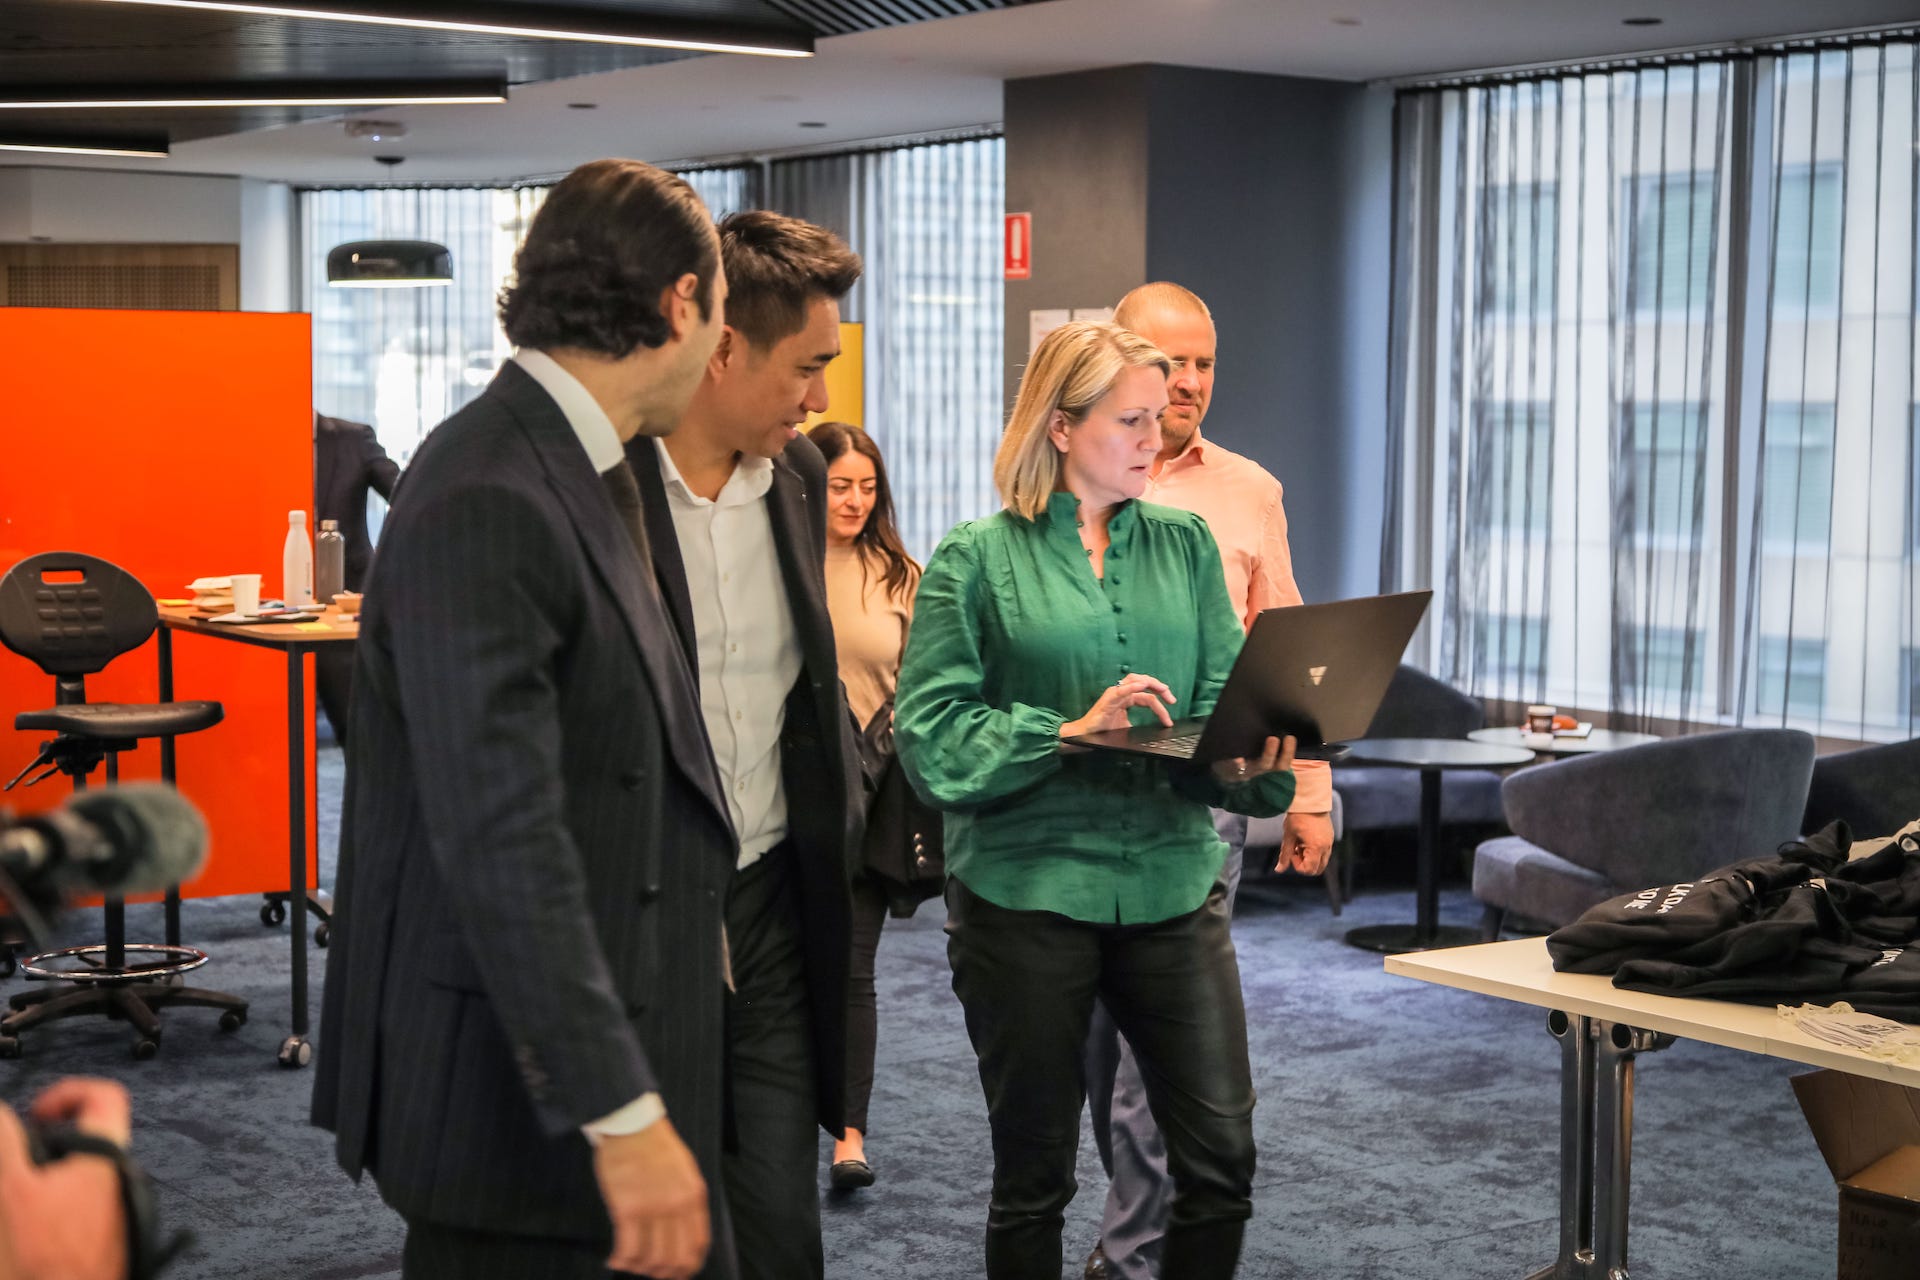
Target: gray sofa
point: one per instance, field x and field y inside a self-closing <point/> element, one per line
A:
<point x="1875" y="789"/>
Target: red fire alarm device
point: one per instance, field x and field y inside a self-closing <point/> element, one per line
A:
<point x="1019" y="246"/>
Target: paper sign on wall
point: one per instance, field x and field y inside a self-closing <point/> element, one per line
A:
<point x="1098" y="315"/>
<point x="1042" y="323"/>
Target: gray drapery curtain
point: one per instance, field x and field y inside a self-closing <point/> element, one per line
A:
<point x="1653" y="406"/>
<point x="726" y="189"/>
<point x="926" y="219"/>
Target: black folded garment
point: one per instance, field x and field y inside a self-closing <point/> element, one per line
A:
<point x="1805" y="925"/>
<point x="1651" y="923"/>
<point x="1798" y="944"/>
<point x="1656" y="923"/>
<point x="1890" y="986"/>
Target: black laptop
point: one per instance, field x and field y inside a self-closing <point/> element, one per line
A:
<point x="1315" y="671"/>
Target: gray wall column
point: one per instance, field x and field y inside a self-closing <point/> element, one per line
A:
<point x="1269" y="196"/>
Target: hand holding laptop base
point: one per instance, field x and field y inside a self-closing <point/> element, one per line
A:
<point x="1276" y="756"/>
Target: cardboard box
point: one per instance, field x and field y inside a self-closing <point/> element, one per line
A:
<point x="1869" y="1133"/>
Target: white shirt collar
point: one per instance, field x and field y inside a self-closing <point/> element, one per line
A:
<point x="583" y="413"/>
<point x="752" y="477"/>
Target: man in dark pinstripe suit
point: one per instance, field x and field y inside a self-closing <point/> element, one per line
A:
<point x="523" y="1030"/>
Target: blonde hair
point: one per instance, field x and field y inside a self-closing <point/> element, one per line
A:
<point x="1072" y="369"/>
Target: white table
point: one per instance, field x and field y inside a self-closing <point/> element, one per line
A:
<point x="1601" y="1030"/>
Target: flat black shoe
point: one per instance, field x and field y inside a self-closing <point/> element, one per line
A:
<point x="850" y="1175"/>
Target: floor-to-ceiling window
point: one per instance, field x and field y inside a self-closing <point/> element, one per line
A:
<point x="925" y="218"/>
<point x="1654" y="411"/>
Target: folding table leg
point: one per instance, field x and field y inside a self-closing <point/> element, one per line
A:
<point x="1596" y="1143"/>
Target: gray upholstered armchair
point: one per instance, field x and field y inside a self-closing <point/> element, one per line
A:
<point x="1875" y="789"/>
<point x="1593" y="827"/>
<point x="1376" y="798"/>
<point x="1418" y="706"/>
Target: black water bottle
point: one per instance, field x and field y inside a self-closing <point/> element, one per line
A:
<point x="329" y="563"/>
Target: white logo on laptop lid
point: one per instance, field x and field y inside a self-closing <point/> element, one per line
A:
<point x="1316" y="673"/>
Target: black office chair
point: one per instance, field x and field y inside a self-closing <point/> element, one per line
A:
<point x="71" y="615"/>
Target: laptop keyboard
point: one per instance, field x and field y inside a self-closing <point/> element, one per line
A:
<point x="1181" y="748"/>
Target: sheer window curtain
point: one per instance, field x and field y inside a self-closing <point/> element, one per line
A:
<point x="926" y="219"/>
<point x="404" y="359"/>
<point x="1828" y="635"/>
<point x="1653" y="394"/>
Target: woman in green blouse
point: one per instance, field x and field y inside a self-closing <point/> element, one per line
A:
<point x="1071" y="874"/>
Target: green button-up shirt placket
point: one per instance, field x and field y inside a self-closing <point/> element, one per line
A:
<point x="1014" y="635"/>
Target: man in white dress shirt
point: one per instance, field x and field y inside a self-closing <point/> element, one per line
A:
<point x="742" y="562"/>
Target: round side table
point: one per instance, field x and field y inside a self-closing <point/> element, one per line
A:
<point x="1432" y="757"/>
<point x="1597" y="741"/>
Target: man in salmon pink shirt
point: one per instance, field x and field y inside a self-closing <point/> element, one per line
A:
<point x="1241" y="502"/>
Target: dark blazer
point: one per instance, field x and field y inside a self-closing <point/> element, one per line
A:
<point x="817" y="757"/>
<point x="535" y="850"/>
<point x="347" y="461"/>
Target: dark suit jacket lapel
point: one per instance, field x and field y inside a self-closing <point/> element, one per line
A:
<point x="802" y="558"/>
<point x="643" y="455"/>
<point x="610" y="549"/>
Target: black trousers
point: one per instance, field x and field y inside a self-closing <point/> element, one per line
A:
<point x="1028" y="980"/>
<point x="333" y="683"/>
<point x="436" y="1252"/>
<point x="863" y="1016"/>
<point x="771" y="1165"/>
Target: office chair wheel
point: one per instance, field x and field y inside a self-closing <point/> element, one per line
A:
<point x="9" y="1046"/>
<point x="295" y="1052"/>
<point x="232" y="1020"/>
<point x="273" y="913"/>
<point x="144" y="1048"/>
<point x="322" y="934"/>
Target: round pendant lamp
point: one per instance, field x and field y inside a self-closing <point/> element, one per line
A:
<point x="389" y="264"/>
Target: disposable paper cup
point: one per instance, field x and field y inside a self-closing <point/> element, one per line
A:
<point x="246" y="594"/>
<point x="1540" y="718"/>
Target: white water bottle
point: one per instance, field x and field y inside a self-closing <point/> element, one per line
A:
<point x="296" y="563"/>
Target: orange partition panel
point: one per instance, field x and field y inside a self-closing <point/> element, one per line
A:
<point x="172" y="443"/>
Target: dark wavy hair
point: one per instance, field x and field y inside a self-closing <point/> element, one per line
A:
<point x="880" y="539"/>
<point x="608" y="239"/>
<point x="776" y="267"/>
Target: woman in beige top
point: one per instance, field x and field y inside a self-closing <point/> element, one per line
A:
<point x="870" y="586"/>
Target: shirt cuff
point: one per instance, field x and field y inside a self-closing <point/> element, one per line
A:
<point x="632" y="1118"/>
<point x="1313" y="787"/>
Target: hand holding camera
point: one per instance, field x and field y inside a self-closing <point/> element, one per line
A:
<point x="62" y="1215"/>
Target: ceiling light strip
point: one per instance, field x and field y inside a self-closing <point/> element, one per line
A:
<point x="158" y="104"/>
<point x="770" y="46"/>
<point x="137" y="148"/>
<point x="348" y="93"/>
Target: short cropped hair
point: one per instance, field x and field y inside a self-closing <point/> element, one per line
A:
<point x="1160" y="293"/>
<point x="1071" y="370"/>
<point x="606" y="241"/>
<point x="776" y="268"/>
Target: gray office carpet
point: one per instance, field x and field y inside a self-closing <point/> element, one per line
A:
<point x="1405" y="1131"/>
